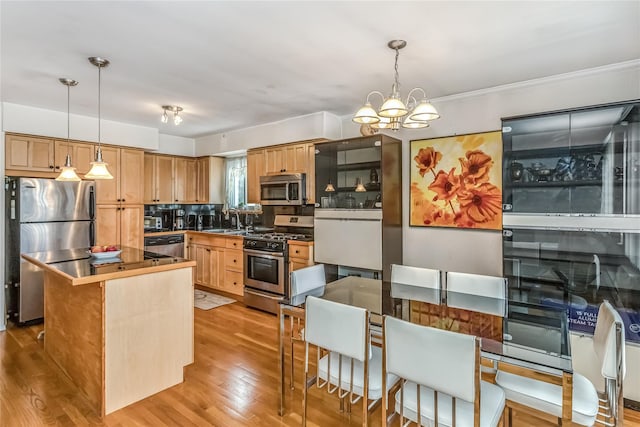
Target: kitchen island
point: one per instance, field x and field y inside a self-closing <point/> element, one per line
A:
<point x="120" y="327"/>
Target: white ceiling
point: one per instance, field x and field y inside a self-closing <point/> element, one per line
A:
<point x="234" y="64"/>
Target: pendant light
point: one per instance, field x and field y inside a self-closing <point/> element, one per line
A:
<point x="68" y="172"/>
<point x="99" y="167"/>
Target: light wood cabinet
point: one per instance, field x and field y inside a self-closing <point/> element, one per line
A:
<point x="184" y="180"/>
<point x="29" y="153"/>
<point x="127" y="167"/>
<point x="290" y="158"/>
<point x="300" y="254"/>
<point x="255" y="169"/>
<point x="174" y="179"/>
<point x="82" y="154"/>
<point x="209" y="183"/>
<point x="219" y="261"/>
<point x="158" y="179"/>
<point x="121" y="225"/>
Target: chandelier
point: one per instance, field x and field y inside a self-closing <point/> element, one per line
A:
<point x="99" y="167"/>
<point x="393" y="112"/>
<point x="175" y="109"/>
<point x="68" y="172"/>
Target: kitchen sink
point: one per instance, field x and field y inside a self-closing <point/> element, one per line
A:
<point x="225" y="231"/>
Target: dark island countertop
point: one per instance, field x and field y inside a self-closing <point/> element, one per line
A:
<point x="80" y="267"/>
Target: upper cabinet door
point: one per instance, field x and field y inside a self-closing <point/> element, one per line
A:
<point x="150" y="195"/>
<point x="255" y="169"/>
<point x="30" y="153"/>
<point x="164" y="179"/>
<point x="108" y="190"/>
<point x="131" y="176"/>
<point x="274" y="161"/>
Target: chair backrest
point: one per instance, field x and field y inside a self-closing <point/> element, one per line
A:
<point x="337" y="327"/>
<point x="605" y="343"/>
<point x="442" y="360"/>
<point x="477" y="284"/>
<point x="416" y="276"/>
<point x="307" y="278"/>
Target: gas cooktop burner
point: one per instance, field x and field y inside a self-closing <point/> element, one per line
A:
<point x="280" y="237"/>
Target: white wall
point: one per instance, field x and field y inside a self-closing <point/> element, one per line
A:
<point x="176" y="145"/>
<point x="316" y="125"/>
<point x="38" y="121"/>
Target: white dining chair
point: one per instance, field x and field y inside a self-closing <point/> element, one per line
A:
<point x="414" y="284"/>
<point x="302" y="281"/>
<point x="346" y="363"/>
<point x="477" y="284"/>
<point x="440" y="377"/>
<point x="608" y="344"/>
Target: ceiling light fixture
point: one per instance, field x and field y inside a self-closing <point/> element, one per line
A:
<point x="175" y="109"/>
<point x="99" y="168"/>
<point x="359" y="187"/>
<point x="68" y="172"/>
<point x="329" y="188"/>
<point x="393" y="109"/>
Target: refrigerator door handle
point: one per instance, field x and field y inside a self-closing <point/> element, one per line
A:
<point x="92" y="233"/>
<point x="92" y="204"/>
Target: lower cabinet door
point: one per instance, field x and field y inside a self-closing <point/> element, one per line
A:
<point x="132" y="226"/>
<point x="233" y="282"/>
<point x="108" y="225"/>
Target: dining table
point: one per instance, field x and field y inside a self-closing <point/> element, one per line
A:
<point x="516" y="336"/>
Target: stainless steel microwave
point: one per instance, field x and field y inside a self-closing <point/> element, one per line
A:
<point x="283" y="190"/>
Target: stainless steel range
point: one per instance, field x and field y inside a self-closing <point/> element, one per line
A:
<point x="266" y="261"/>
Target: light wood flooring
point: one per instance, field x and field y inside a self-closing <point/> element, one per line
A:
<point x="233" y="382"/>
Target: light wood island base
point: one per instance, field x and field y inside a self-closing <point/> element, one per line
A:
<point x="120" y="340"/>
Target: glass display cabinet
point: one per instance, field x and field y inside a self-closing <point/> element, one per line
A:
<point x="576" y="162"/>
<point x="571" y="211"/>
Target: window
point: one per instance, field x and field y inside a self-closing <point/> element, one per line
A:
<point x="236" y="179"/>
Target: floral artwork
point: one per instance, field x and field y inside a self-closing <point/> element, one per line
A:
<point x="456" y="181"/>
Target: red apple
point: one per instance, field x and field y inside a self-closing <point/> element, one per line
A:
<point x="111" y="248"/>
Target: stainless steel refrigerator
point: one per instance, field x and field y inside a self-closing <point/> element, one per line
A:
<point x="42" y="215"/>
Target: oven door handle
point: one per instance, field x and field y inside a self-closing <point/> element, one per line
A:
<point x="267" y="255"/>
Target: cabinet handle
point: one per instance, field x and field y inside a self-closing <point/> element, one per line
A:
<point x="208" y="250"/>
<point x="297" y="251"/>
<point x="122" y="208"/>
<point x="234" y="260"/>
<point x="234" y="283"/>
<point x="50" y="166"/>
<point x="57" y="167"/>
<point x="123" y="200"/>
<point x="176" y="200"/>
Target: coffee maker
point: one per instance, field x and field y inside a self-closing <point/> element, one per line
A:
<point x="179" y="219"/>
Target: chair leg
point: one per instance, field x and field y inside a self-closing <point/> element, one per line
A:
<point x="291" y="345"/>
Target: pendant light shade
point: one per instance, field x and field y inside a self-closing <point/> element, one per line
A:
<point x="329" y="188"/>
<point x="424" y="111"/>
<point x="359" y="187"/>
<point x="366" y="115"/>
<point x="99" y="168"/>
<point x="68" y="172"/>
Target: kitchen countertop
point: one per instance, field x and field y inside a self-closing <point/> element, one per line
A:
<point x="227" y="232"/>
<point x="80" y="268"/>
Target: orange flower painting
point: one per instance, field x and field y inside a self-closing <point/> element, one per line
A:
<point x="456" y="181"/>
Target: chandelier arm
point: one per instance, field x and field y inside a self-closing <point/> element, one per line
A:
<point x="376" y="92"/>
<point x="414" y="89"/>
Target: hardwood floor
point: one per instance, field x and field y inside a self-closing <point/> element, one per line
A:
<point x="233" y="382"/>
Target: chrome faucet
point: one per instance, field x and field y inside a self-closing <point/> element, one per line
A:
<point x="238" y="223"/>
